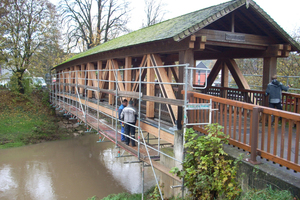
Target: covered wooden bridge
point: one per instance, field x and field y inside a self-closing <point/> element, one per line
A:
<point x="129" y="67"/>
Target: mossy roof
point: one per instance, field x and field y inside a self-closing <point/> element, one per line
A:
<point x="179" y="28"/>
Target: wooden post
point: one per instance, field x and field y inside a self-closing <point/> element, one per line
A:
<point x="90" y="66"/>
<point x="72" y="78"/>
<point x="82" y="78"/>
<point x="224" y="79"/>
<point x="269" y="69"/>
<point x="127" y="74"/>
<point x="76" y="76"/>
<point x="111" y="85"/>
<point x="150" y="89"/>
<point x="186" y="56"/>
<point x="99" y="76"/>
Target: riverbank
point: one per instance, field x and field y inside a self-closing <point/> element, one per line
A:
<point x="30" y="119"/>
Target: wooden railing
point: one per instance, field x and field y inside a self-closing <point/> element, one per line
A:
<point x="290" y="101"/>
<point x="277" y="142"/>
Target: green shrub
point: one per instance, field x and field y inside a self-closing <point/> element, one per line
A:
<point x="206" y="172"/>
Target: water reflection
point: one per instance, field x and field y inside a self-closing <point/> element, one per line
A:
<point x="129" y="175"/>
<point x="70" y="169"/>
<point x="38" y="180"/>
<point x="8" y="184"/>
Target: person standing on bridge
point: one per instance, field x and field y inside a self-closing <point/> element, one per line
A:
<point x="274" y="90"/>
<point x="130" y="116"/>
<point x="122" y="106"/>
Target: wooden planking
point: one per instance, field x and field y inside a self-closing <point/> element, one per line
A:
<point x="150" y="89"/>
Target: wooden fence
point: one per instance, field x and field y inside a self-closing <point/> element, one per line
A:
<point x="275" y="137"/>
<point x="290" y="101"/>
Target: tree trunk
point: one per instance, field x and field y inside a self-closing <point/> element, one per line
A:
<point x="19" y="73"/>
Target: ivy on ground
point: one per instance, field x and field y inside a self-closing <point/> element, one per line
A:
<point x="206" y="172"/>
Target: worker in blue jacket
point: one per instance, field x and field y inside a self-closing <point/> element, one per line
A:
<point x="122" y="106"/>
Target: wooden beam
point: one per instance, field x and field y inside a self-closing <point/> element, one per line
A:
<point x="150" y="88"/>
<point x="166" y="89"/>
<point x="143" y="74"/>
<point x="237" y="74"/>
<point x="224" y="79"/>
<point x="99" y="77"/>
<point x="174" y="71"/>
<point x="77" y="73"/>
<point x="104" y="77"/>
<point x="214" y="72"/>
<point x="127" y="74"/>
<point x="120" y="83"/>
<point x="90" y="66"/>
<point x="229" y="39"/>
<point x="82" y="78"/>
<point x="111" y="85"/>
<point x="269" y="69"/>
<point x="164" y="46"/>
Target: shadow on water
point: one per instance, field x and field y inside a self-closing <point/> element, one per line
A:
<point x="70" y="169"/>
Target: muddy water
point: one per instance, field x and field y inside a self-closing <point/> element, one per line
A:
<point x="70" y="169"/>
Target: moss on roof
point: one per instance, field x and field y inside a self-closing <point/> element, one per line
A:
<point x="164" y="30"/>
<point x="177" y="28"/>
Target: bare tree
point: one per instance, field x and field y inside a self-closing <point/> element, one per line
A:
<point x="155" y="12"/>
<point x="90" y="26"/>
<point x="26" y="31"/>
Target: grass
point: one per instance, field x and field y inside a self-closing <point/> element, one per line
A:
<point x="25" y="119"/>
<point x="265" y="194"/>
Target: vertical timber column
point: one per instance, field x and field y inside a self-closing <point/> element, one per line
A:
<point x="90" y="66"/>
<point x="224" y="79"/>
<point x="76" y="68"/>
<point x="111" y="85"/>
<point x="82" y="79"/>
<point x="150" y="89"/>
<point x="186" y="56"/>
<point x="127" y="74"/>
<point x="99" y="76"/>
<point x="269" y="69"/>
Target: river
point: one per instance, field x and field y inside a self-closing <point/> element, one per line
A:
<point x="78" y="168"/>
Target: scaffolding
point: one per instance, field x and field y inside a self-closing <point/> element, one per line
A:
<point x="71" y="94"/>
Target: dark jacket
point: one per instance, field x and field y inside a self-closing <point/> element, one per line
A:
<point x="274" y="90"/>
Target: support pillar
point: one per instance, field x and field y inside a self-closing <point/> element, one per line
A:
<point x="111" y="85"/>
<point x="99" y="77"/>
<point x="186" y="56"/>
<point x="269" y="69"/>
<point x="224" y="80"/>
<point x="128" y="74"/>
<point x="150" y="89"/>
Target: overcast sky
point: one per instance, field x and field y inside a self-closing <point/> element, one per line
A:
<point x="285" y="13"/>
